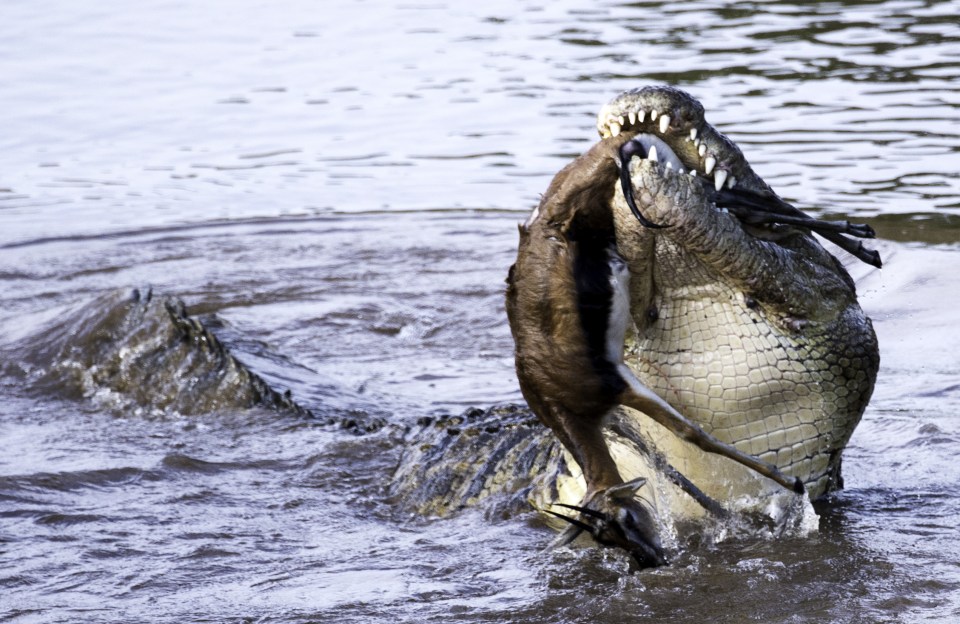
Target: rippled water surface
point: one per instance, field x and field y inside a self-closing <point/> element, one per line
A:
<point x="337" y="186"/>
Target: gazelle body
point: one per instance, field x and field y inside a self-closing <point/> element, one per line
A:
<point x="568" y="307"/>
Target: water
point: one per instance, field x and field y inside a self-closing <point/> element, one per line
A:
<point x="339" y="185"/>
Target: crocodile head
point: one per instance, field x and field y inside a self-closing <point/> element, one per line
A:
<point x="754" y="331"/>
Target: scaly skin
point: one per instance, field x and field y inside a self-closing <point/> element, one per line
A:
<point x="755" y="335"/>
<point x="760" y="342"/>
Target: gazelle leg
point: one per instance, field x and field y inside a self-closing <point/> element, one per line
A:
<point x="643" y="399"/>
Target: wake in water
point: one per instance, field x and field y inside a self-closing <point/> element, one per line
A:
<point x="133" y="352"/>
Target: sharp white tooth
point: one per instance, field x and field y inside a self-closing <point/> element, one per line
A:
<point x="669" y="165"/>
<point x="652" y="154"/>
<point x="719" y="178"/>
<point x="653" y="115"/>
<point x="620" y="119"/>
<point x="632" y="116"/>
<point x="605" y="134"/>
<point x="702" y="149"/>
<point x="708" y="164"/>
<point x="696" y="142"/>
<point x="693" y="134"/>
<point x="641" y="115"/>
<point x="614" y="128"/>
<point x="664" y="123"/>
<point x="731" y="182"/>
<point x="693" y="173"/>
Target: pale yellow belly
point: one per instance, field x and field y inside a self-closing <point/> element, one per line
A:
<point x="791" y="403"/>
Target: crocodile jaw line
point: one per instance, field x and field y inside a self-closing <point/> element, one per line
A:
<point x="676" y="119"/>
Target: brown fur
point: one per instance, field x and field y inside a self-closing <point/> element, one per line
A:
<point x="554" y="365"/>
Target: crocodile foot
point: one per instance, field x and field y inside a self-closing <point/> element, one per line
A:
<point x="615" y="517"/>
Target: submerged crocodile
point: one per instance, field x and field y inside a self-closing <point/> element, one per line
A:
<point x="135" y="352"/>
<point x="742" y="321"/>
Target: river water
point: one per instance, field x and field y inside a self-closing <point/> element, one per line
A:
<point x="337" y="185"/>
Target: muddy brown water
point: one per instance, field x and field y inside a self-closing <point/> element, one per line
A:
<point x="338" y="185"/>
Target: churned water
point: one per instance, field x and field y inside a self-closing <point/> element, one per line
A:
<point x="336" y="185"/>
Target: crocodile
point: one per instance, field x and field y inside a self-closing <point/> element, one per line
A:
<point x="134" y="351"/>
<point x="742" y="321"/>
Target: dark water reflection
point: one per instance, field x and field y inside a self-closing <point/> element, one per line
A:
<point x="339" y="185"/>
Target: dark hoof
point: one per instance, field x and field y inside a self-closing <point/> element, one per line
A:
<point x="614" y="517"/>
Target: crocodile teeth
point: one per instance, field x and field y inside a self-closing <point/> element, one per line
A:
<point x="693" y="134"/>
<point x="632" y="116"/>
<point x="693" y="173"/>
<point x="641" y="115"/>
<point x="708" y="164"/>
<point x="669" y="165"/>
<point x="620" y="119"/>
<point x="719" y="179"/>
<point x="653" y="115"/>
<point x="702" y="149"/>
<point x="731" y="181"/>
<point x="652" y="154"/>
<point x="614" y="128"/>
<point x="664" y="123"/>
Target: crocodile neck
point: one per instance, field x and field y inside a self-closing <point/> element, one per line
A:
<point x="750" y="380"/>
